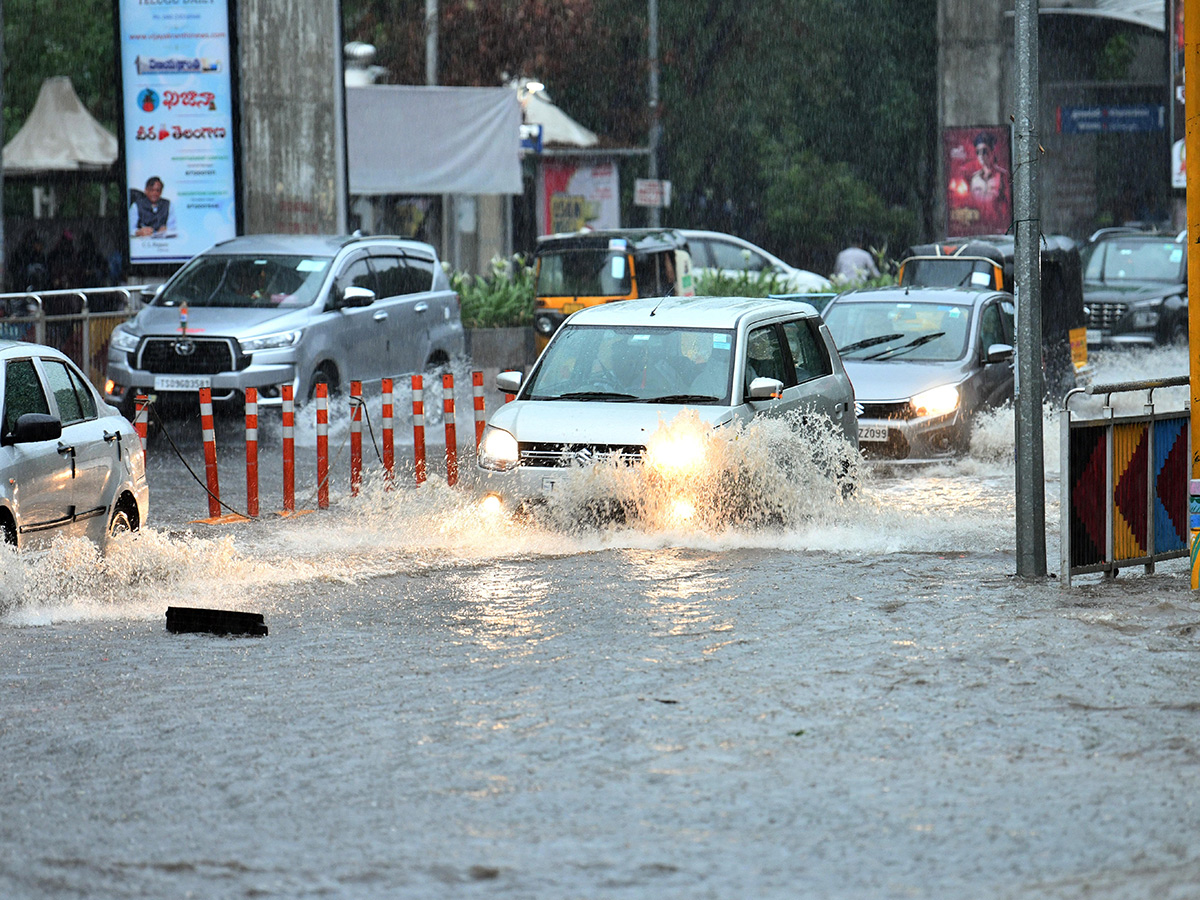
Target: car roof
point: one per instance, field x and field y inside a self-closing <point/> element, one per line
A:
<point x="644" y="240"/>
<point x="689" y="312"/>
<point x="9" y="348"/>
<point x="310" y="244"/>
<point x="957" y="296"/>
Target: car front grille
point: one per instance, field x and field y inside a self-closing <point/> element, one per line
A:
<point x="558" y="456"/>
<point x="900" y="410"/>
<point x="1105" y="315"/>
<point x="209" y="356"/>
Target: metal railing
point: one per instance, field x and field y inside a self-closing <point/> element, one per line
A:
<point x="1124" y="482"/>
<point x="77" y="321"/>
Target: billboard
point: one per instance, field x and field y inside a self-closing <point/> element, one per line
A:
<point x="177" y="135"/>
<point x="572" y="195"/>
<point x="977" y="162"/>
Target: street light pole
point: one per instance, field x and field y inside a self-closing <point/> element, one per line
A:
<point x="652" y="167"/>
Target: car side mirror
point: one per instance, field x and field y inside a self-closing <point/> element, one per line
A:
<point x="150" y="291"/>
<point x="33" y="428"/>
<point x="509" y="382"/>
<point x="765" y="388"/>
<point x="999" y="353"/>
<point x="355" y="296"/>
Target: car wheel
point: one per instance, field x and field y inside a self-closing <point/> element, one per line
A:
<point x="123" y="520"/>
<point x="1179" y="335"/>
<point x="325" y="374"/>
<point x="8" y="530"/>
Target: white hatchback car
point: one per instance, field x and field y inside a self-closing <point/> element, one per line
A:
<point x="69" y="463"/>
<point x="613" y="373"/>
<point x="732" y="256"/>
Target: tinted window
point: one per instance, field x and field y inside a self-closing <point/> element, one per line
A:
<point x="22" y="393"/>
<point x="807" y="351"/>
<point x="420" y="272"/>
<point x="764" y="356"/>
<point x="399" y="275"/>
<point x="356" y="274"/>
<point x="991" y="328"/>
<point x="65" y="390"/>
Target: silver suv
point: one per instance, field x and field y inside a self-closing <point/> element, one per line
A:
<point x="264" y="310"/>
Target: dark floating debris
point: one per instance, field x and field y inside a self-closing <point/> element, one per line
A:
<point x="190" y="620"/>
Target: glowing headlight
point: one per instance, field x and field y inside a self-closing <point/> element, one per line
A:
<point x="676" y="454"/>
<point x="271" y="341"/>
<point x="544" y="324"/>
<point x="936" y="402"/>
<point x="122" y="340"/>
<point x="498" y="450"/>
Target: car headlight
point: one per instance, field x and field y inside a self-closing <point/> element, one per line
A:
<point x="1145" y="316"/>
<point x="123" y="341"/>
<point x="676" y="454"/>
<point x="271" y="341"/>
<point x="545" y="324"/>
<point x="498" y="450"/>
<point x="936" y="402"/>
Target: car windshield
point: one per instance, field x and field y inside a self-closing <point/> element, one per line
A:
<point x="247" y="281"/>
<point x="635" y="365"/>
<point x="949" y="271"/>
<point x="1135" y="260"/>
<point x="584" y="273"/>
<point x="883" y="330"/>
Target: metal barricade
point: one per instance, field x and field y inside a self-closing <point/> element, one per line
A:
<point x="77" y="321"/>
<point x="1124" y="482"/>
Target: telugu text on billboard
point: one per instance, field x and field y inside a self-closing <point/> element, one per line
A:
<point x="978" y="166"/>
<point x="178" y="127"/>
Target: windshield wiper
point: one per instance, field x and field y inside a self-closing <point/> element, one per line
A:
<point x="911" y="345"/>
<point x="683" y="398"/>
<point x="592" y="395"/>
<point x="868" y="342"/>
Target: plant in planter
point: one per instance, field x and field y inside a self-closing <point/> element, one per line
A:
<point x="502" y="299"/>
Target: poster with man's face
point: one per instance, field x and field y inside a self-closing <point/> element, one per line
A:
<point x="978" y="166"/>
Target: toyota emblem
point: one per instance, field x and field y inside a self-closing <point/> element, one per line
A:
<point x="185" y="348"/>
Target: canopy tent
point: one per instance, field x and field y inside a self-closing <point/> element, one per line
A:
<point x="59" y="135"/>
<point x="558" y="129"/>
<point x="1148" y="13"/>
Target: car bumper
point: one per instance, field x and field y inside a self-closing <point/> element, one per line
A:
<point x="128" y="382"/>
<point x="931" y="437"/>
<point x="1101" y="338"/>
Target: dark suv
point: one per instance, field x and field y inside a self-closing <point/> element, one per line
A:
<point x="1135" y="289"/>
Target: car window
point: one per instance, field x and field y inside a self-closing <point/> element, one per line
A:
<point x="701" y="254"/>
<point x="398" y="275"/>
<point x="807" y="352"/>
<point x="1008" y="312"/>
<point x="764" y="356"/>
<point x="356" y="274"/>
<point x="991" y="329"/>
<point x="269" y="280"/>
<point x="731" y="256"/>
<point x="22" y="393"/>
<point x="420" y="272"/>
<point x="66" y="390"/>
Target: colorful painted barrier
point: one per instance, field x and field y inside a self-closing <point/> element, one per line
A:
<point x="1125" y="481"/>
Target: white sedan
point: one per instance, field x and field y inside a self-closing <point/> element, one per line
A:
<point x="69" y="463"/>
<point x="732" y="256"/>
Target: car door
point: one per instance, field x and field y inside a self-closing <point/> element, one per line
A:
<point x="360" y="333"/>
<point x="764" y="358"/>
<point x="37" y="476"/>
<point x="93" y="453"/>
<point x="995" y="378"/>
<point x="818" y="386"/>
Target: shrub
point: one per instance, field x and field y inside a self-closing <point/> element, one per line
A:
<point x="502" y="299"/>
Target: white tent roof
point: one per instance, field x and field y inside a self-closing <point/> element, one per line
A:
<point x="1149" y="13"/>
<point x="557" y="126"/>
<point x="59" y="135"/>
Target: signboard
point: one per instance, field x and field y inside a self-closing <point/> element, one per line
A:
<point x="178" y="127"/>
<point x="1178" y="163"/>
<point x="651" y="192"/>
<point x="531" y="138"/>
<point x="574" y="195"/>
<point x="1110" y="119"/>
<point x="977" y="162"/>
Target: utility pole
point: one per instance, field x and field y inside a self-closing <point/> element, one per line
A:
<point x="652" y="167"/>
<point x="431" y="41"/>
<point x="1031" y="474"/>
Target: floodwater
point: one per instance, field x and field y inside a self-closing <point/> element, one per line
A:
<point x="862" y="701"/>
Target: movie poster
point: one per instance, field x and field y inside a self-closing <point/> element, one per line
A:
<point x="177" y="105"/>
<point x="978" y="166"/>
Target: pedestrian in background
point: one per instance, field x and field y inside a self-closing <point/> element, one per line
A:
<point x="854" y="264"/>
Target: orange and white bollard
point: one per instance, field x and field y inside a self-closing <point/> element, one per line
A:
<point x="480" y="420"/>
<point x="451" y="440"/>
<point x="323" y="446"/>
<point x="289" y="449"/>
<point x="252" y="452"/>
<point x="418" y="393"/>
<point x="140" y="420"/>
<point x="210" y="452"/>
<point x="389" y="457"/>
<point x="355" y="437"/>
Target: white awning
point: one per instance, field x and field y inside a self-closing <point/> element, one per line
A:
<point x="402" y="139"/>
<point x="1148" y="13"/>
<point x="59" y="135"/>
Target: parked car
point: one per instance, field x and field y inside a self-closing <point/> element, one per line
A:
<point x="262" y="311"/>
<point x="731" y="256"/>
<point x="70" y="464"/>
<point x="587" y="268"/>
<point x="612" y="373"/>
<point x="924" y="362"/>
<point x="1135" y="288"/>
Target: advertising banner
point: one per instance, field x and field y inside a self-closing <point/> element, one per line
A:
<point x="572" y="195"/>
<point x="977" y="163"/>
<point x="178" y="135"/>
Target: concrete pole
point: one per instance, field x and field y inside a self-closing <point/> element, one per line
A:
<point x="1027" y="277"/>
<point x="3" y="255"/>
<point x="431" y="41"/>
<point x="1191" y="90"/>
<point x="652" y="167"/>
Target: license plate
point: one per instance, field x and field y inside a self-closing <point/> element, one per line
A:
<point x="548" y="484"/>
<point x="1095" y="336"/>
<point x="872" y="432"/>
<point x="181" y="382"/>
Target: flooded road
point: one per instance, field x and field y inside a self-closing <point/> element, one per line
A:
<point x="862" y="703"/>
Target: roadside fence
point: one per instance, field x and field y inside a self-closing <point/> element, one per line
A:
<point x="1125" y="482"/>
